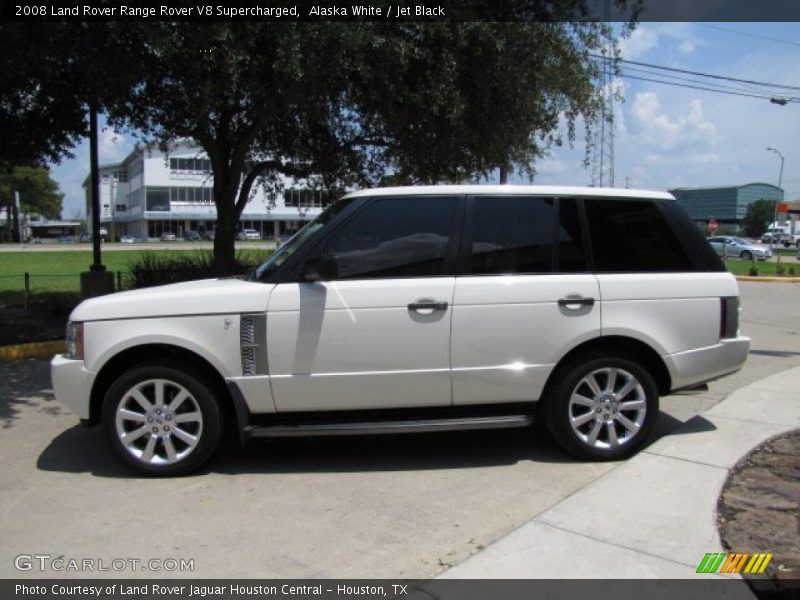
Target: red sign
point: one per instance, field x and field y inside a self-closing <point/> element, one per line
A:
<point x="783" y="208"/>
<point x="713" y="226"/>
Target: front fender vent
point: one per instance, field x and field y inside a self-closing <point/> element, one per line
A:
<point x="253" y="343"/>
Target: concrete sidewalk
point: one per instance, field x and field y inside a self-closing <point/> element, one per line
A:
<point x="654" y="516"/>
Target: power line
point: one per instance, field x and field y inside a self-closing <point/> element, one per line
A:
<point x="747" y="89"/>
<point x="751" y="35"/>
<point x="700" y="74"/>
<point x="707" y="89"/>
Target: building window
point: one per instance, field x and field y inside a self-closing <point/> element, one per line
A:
<point x="158" y="199"/>
<point x="192" y="165"/>
<point x="306" y="198"/>
<point x="191" y="194"/>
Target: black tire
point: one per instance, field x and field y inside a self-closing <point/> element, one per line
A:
<point x="187" y="428"/>
<point x="746" y="255"/>
<point x="560" y="411"/>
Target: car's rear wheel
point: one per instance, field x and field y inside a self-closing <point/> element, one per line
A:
<point x="746" y="255"/>
<point x="603" y="408"/>
<point x="161" y="420"/>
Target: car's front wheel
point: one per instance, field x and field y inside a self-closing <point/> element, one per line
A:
<point x="161" y="420"/>
<point x="603" y="408"/>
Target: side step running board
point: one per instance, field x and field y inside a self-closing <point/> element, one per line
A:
<point x="389" y="426"/>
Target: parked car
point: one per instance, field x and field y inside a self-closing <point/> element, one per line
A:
<point x="168" y="237"/>
<point x="191" y="236"/>
<point x="419" y="309"/>
<point x="85" y="237"/>
<point x="249" y="234"/>
<point x="127" y="239"/>
<point x="66" y="239"/>
<point x="209" y="235"/>
<point x="736" y="247"/>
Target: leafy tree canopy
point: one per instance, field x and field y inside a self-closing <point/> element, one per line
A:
<point x="38" y="193"/>
<point x="758" y="217"/>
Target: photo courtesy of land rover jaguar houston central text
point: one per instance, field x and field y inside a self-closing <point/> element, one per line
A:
<point x="419" y="309"/>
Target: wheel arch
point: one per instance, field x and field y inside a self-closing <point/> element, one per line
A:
<point x="615" y="344"/>
<point x="149" y="353"/>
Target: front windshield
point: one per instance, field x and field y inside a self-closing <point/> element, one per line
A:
<point x="741" y="241"/>
<point x="282" y="254"/>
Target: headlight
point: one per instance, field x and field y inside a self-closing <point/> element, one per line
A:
<point x="75" y="340"/>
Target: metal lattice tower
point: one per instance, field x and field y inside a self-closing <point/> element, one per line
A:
<point x="603" y="136"/>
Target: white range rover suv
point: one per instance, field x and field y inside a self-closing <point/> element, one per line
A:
<point x="419" y="309"/>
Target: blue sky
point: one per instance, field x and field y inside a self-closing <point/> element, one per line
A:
<point x="665" y="136"/>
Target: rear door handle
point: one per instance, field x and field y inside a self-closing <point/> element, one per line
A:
<point x="427" y="305"/>
<point x="575" y="300"/>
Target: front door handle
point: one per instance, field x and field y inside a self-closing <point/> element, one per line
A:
<point x="427" y="306"/>
<point x="574" y="300"/>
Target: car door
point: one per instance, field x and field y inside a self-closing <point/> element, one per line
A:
<point x="521" y="300"/>
<point x="376" y="333"/>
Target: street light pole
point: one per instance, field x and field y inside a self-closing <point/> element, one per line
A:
<point x="775" y="214"/>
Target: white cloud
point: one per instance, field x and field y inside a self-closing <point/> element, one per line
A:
<point x="640" y="41"/>
<point x="686" y="47"/>
<point x="665" y="131"/>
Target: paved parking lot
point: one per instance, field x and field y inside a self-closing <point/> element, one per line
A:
<point x="406" y="506"/>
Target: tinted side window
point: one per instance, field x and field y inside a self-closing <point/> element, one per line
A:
<point x="632" y="235"/>
<point x="394" y="237"/>
<point x="512" y="234"/>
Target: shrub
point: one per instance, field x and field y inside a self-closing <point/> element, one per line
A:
<point x="753" y="271"/>
<point x="791" y="271"/>
<point x="779" y="270"/>
<point x="158" y="269"/>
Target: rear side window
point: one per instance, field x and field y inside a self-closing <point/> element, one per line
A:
<point x="394" y="237"/>
<point x="512" y="234"/>
<point x="632" y="235"/>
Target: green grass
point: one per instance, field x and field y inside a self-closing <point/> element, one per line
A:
<point x="742" y="267"/>
<point x="58" y="272"/>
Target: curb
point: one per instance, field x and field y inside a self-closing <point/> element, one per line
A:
<point x="34" y="350"/>
<point x="769" y="279"/>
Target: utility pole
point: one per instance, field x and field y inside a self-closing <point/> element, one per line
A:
<point x="97" y="280"/>
<point x="777" y="202"/>
<point x="603" y="148"/>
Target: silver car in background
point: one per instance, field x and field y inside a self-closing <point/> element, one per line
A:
<point x="736" y="247"/>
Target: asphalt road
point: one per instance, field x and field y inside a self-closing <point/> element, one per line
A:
<point x="405" y="506"/>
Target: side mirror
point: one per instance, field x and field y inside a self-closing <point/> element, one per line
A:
<point x="319" y="269"/>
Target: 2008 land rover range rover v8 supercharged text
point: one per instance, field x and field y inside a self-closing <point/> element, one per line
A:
<point x="419" y="309"/>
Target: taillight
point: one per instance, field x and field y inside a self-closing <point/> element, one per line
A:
<point x="728" y="317"/>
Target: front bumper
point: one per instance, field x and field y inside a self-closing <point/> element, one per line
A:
<point x="694" y="367"/>
<point x="72" y="384"/>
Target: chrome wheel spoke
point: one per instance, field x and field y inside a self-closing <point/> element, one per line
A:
<point x="159" y="390"/>
<point x="172" y="456"/>
<point x="130" y="415"/>
<point x="627" y="388"/>
<point x="627" y="423"/>
<point x="613" y="441"/>
<point x="130" y="437"/>
<point x="141" y="399"/>
<point x="178" y="399"/>
<point x="632" y="405"/>
<point x="598" y="425"/>
<point x="190" y="417"/>
<point x="612" y="381"/>
<point x="149" y="450"/>
<point x="582" y="400"/>
<point x="582" y="419"/>
<point x="591" y="381"/>
<point x="184" y="436"/>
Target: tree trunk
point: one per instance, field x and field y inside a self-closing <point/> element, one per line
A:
<point x="503" y="174"/>
<point x="225" y="238"/>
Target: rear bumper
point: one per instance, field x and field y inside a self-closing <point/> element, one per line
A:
<point x="72" y="384"/>
<point x="698" y="366"/>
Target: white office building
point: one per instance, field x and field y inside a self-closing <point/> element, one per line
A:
<point x="151" y="193"/>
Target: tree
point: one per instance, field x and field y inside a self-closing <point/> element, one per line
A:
<point x="758" y="217"/>
<point x="347" y="104"/>
<point x="38" y="193"/>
